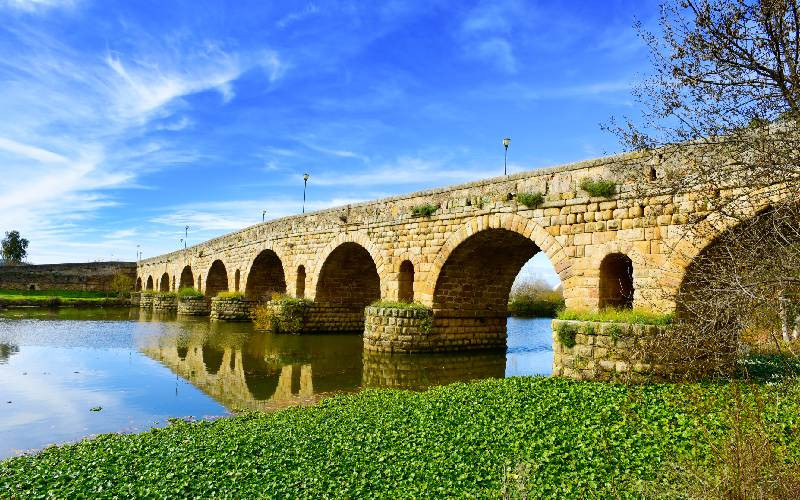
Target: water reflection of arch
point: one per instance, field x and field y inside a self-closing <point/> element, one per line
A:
<point x="241" y="368"/>
<point x="421" y="371"/>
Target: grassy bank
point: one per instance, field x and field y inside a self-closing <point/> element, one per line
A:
<point x="56" y="298"/>
<point x="543" y="437"/>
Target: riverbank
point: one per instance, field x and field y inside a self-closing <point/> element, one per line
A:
<point x="59" y="298"/>
<point x="540" y="436"/>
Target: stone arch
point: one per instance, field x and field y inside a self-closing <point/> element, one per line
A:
<point x="477" y="276"/>
<point x="516" y="223"/>
<point x="300" y="284"/>
<point x="266" y="276"/>
<point x="348" y="279"/>
<point x="187" y="279"/>
<point x="173" y="282"/>
<point x="163" y="285"/>
<point x="358" y="238"/>
<point x="138" y="284"/>
<point x="216" y="279"/>
<point x="149" y="282"/>
<point x="616" y="286"/>
<point x="237" y="277"/>
<point x="405" y="282"/>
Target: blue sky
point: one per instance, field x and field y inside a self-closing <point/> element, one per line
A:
<point x="122" y="122"/>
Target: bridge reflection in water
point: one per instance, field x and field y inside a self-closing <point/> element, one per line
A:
<point x="245" y="369"/>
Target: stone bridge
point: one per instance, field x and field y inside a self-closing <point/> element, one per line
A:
<point x="460" y="260"/>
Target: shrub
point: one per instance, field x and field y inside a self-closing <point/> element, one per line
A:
<point x="535" y="298"/>
<point x="283" y="314"/>
<point x="566" y="334"/>
<point x="121" y="284"/>
<point x="610" y="315"/>
<point x="424" y="210"/>
<point x="231" y="295"/>
<point x="167" y="294"/>
<point x="190" y="293"/>
<point x="530" y="200"/>
<point x="599" y="187"/>
<point x="399" y="305"/>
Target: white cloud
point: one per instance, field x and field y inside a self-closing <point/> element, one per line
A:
<point x="35" y="5"/>
<point x="309" y="10"/>
<point x="72" y="124"/>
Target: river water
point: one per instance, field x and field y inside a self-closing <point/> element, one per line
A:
<point x="73" y="373"/>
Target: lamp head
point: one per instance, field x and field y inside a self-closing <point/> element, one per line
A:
<point x="305" y="177"/>
<point x="506" y="142"/>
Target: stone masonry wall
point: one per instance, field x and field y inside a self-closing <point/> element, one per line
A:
<point x="194" y="306"/>
<point x="90" y="276"/>
<point x="461" y="255"/>
<point x="604" y="351"/>
<point x="230" y="309"/>
<point x="165" y="302"/>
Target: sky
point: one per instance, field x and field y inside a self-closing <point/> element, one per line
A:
<point x="123" y="122"/>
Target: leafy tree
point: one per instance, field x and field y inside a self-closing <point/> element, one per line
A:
<point x="14" y="248"/>
<point x="720" y="129"/>
<point x="121" y="284"/>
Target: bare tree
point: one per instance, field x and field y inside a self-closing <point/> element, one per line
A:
<point x="719" y="130"/>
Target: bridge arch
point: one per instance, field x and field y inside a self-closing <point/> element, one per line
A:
<point x="265" y="277"/>
<point x="187" y="278"/>
<point x="138" y="284"/>
<point x="359" y="239"/>
<point x="405" y="282"/>
<point x="300" y="283"/>
<point x="150" y="283"/>
<point x="216" y="279"/>
<point x="522" y="226"/>
<point x="348" y="279"/>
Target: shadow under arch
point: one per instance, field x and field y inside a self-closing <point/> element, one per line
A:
<point x="187" y="278"/>
<point x="216" y="279"/>
<point x="348" y="280"/>
<point x="266" y="276"/>
<point x="149" y="283"/>
<point x="164" y="283"/>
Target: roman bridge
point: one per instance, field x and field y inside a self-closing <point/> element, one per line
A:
<point x="456" y="250"/>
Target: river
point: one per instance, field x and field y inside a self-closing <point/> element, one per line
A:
<point x="71" y="373"/>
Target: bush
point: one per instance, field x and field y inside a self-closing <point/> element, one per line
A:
<point x="167" y="294"/>
<point x="535" y="298"/>
<point x="231" y="295"/>
<point x="530" y="200"/>
<point x="121" y="284"/>
<point x="610" y="315"/>
<point x="399" y="305"/>
<point x="424" y="210"/>
<point x="566" y="334"/>
<point x="190" y="293"/>
<point x="599" y="187"/>
<point x="283" y="314"/>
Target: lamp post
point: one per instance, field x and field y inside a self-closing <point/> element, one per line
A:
<point x="305" y="184"/>
<point x="263" y="214"/>
<point x="506" y="142"/>
<point x="138" y="256"/>
<point x="185" y="236"/>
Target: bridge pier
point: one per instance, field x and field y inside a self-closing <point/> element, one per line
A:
<point x="399" y="330"/>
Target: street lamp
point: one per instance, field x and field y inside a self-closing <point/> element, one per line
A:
<point x="137" y="254"/>
<point x="506" y="142"/>
<point x="263" y="214"/>
<point x="185" y="236"/>
<point x="305" y="184"/>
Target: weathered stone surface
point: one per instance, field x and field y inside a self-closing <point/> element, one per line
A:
<point x="88" y="276"/>
<point x="194" y="306"/>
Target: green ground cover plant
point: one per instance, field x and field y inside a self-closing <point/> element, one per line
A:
<point x="636" y="316"/>
<point x="530" y="200"/>
<point x="397" y="304"/>
<point x="190" y="293"/>
<point x="424" y="210"/>
<point x="62" y="294"/>
<point x="599" y="187"/>
<point x="231" y="295"/>
<point x="558" y="438"/>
